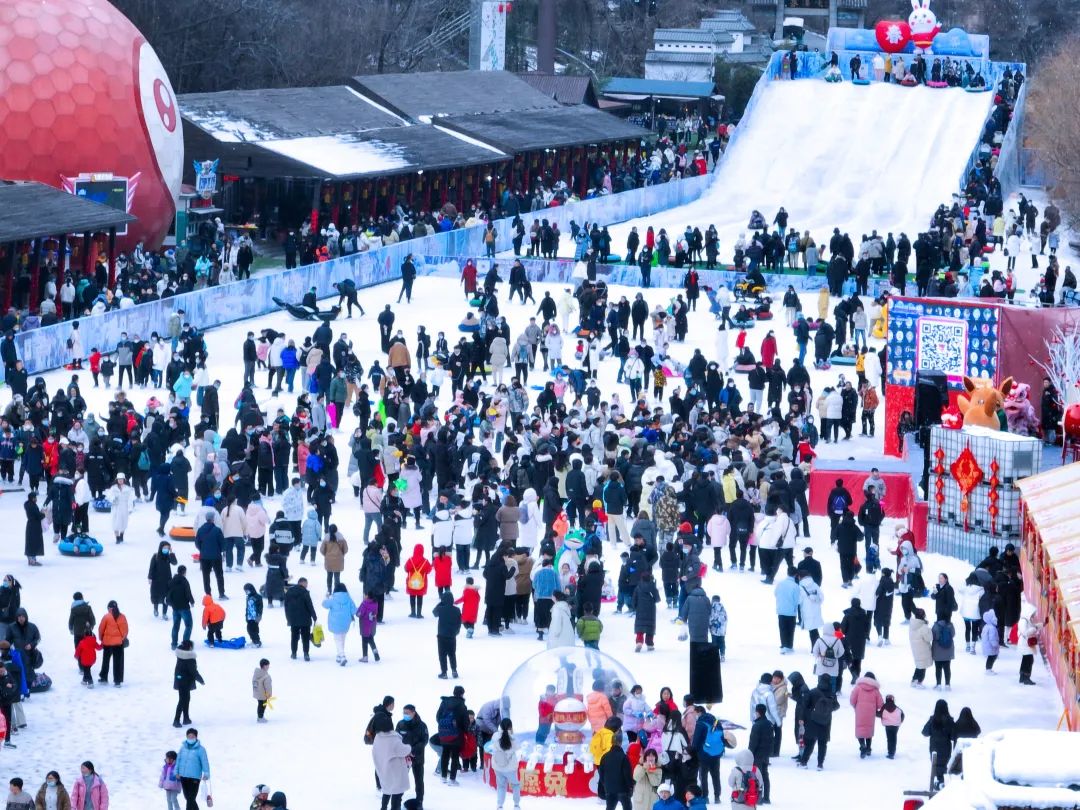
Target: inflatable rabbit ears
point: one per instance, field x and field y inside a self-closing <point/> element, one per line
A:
<point x="918" y="5"/>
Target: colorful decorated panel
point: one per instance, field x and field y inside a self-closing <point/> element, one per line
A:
<point x="928" y="334"/>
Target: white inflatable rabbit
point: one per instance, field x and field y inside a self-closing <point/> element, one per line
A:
<point x="924" y="24"/>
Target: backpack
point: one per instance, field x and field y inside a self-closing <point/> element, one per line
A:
<point x="448" y="730"/>
<point x="369" y="732"/>
<point x="144" y="461"/>
<point x="714" y="740"/>
<point x="314" y="463"/>
<point x="945" y="635"/>
<point x="838" y="504"/>
<point x="822" y="711"/>
<point x="830" y="654"/>
<point x="747" y="792"/>
<point x="523" y="514"/>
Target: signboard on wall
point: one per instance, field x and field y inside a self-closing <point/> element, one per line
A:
<point x="104" y="189"/>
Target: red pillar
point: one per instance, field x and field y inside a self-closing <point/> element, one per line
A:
<point x="315" y="208"/>
<point x="335" y="206"/>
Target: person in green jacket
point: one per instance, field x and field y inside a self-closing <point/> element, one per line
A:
<point x="337" y="393"/>
<point x="589" y="628"/>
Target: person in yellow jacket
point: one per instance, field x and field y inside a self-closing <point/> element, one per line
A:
<point x="604" y="737"/>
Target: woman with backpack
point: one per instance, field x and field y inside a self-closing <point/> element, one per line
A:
<point x="943" y="651"/>
<point x="819" y="705"/>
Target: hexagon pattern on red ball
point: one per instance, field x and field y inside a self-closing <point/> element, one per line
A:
<point x="81" y="91"/>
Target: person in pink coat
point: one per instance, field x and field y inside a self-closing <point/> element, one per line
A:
<point x="867" y="700"/>
<point x="89" y="783"/>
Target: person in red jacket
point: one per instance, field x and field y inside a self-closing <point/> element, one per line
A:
<point x="417" y="569"/>
<point x="95" y="365"/>
<point x="86" y="655"/>
<point x="444" y="570"/>
<point x="470" y="606"/>
<point x="468" y="278"/>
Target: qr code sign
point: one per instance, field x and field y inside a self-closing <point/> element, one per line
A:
<point x="941" y="345"/>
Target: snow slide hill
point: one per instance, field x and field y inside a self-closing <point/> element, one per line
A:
<point x="836" y="155"/>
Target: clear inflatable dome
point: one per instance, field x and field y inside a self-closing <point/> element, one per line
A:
<point x="563" y="678"/>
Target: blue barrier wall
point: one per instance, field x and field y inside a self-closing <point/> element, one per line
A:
<point x="45" y="348"/>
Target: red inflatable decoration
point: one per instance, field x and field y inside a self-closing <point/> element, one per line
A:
<point x="892" y="35"/>
<point x="82" y="93"/>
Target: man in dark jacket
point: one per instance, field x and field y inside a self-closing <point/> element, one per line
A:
<point x="80" y="618"/>
<point x="615" y="775"/>
<point x="761" y="746"/>
<point x="838" y="502"/>
<point x="809" y="566"/>
<point x="300" y="615"/>
<point x="181" y="601"/>
<point x="386" y="327"/>
<point x="449" y="617"/>
<point x="453" y="719"/>
<point x="847" y="546"/>
<point x="871" y="516"/>
<point x="408" y="276"/>
<point x="250" y="357"/>
<point x="577" y="493"/>
<point x="414" y="733"/>
<point x="211" y="544"/>
<point x="818" y="707"/>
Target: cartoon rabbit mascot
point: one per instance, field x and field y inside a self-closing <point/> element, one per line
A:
<point x="924" y="25"/>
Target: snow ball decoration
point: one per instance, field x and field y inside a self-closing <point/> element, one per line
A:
<point x="82" y="92"/>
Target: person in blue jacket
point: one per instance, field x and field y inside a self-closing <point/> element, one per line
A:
<point x="211" y="544"/>
<point x="163" y="493"/>
<point x="192" y="767"/>
<point x="339" y="618"/>
<point x="787" y="608"/>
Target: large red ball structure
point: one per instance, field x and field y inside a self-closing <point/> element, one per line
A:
<point x="82" y="92"/>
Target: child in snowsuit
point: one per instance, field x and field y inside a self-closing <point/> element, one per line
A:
<point x="891" y="718"/>
<point x="170" y="782"/>
<point x="253" y="610"/>
<point x="368" y="614"/>
<point x="86" y="655"/>
<point x="213" y="619"/>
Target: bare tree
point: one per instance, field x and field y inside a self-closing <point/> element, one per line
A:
<point x="1053" y="115"/>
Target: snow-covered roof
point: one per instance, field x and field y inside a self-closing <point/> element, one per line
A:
<point x="341" y="154"/>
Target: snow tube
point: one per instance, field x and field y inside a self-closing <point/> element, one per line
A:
<point x="80" y="545"/>
<point x="469" y="327"/>
<point x="476" y="302"/>
<point x="302" y="313"/>
<point x="860" y="81"/>
<point x="988" y="248"/>
<point x="182" y="533"/>
<point x="833" y="78"/>
<point x="102" y="505"/>
<point x="908" y="81"/>
<point x="764" y="316"/>
<point x="42" y="683"/>
<point x="537" y="387"/>
<point x="744" y="369"/>
<point x="813" y="325"/>
<point x="745" y="324"/>
<point x="228" y="643"/>
<point x="842" y="360"/>
<point x="937" y="85"/>
<point x="582" y="332"/>
<point x="983" y="89"/>
<point x="613" y="258"/>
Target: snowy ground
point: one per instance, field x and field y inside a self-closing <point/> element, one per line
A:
<point x="312" y="746"/>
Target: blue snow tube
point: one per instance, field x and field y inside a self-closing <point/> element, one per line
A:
<point x="860" y="81"/>
<point x="102" y="505"/>
<point x="228" y="643"/>
<point x="842" y="360"/>
<point x="80" y="545"/>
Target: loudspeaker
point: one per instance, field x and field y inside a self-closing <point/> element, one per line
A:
<point x="931" y="397"/>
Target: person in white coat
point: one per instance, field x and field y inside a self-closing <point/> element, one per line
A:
<point x="561" y="631"/>
<point x="529" y="512"/>
<point x="553" y="342"/>
<point x="971" y="593"/>
<point x="82" y="497"/>
<point x="159" y="355"/>
<point x="122" y="498"/>
<point x="504" y="762"/>
<point x="723" y="357"/>
<point x="810" y="601"/>
<point x="389" y="754"/>
<point x="567" y="306"/>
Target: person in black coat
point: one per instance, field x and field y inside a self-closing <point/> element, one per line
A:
<point x="798" y="488"/>
<point x="761" y="746"/>
<point x="940" y="731"/>
<point x="496" y="573"/>
<point x="25" y="638"/>
<point x="181" y="600"/>
<point x="590" y="588"/>
<point x="414" y="733"/>
<point x="848" y="536"/>
<point x="818" y="707"/>
<point x="856" y="629"/>
<point x="615" y="775"/>
<point x="644" y="601"/>
<point x="300" y="616"/>
<point x="34" y="543"/>
<point x="449" y="618"/>
<point x="160" y="577"/>
<point x="809" y="566"/>
<point x="185" y="676"/>
<point x="944" y="598"/>
<point x="487" y="530"/>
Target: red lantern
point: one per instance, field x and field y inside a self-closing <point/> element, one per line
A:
<point x="1072" y="420"/>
